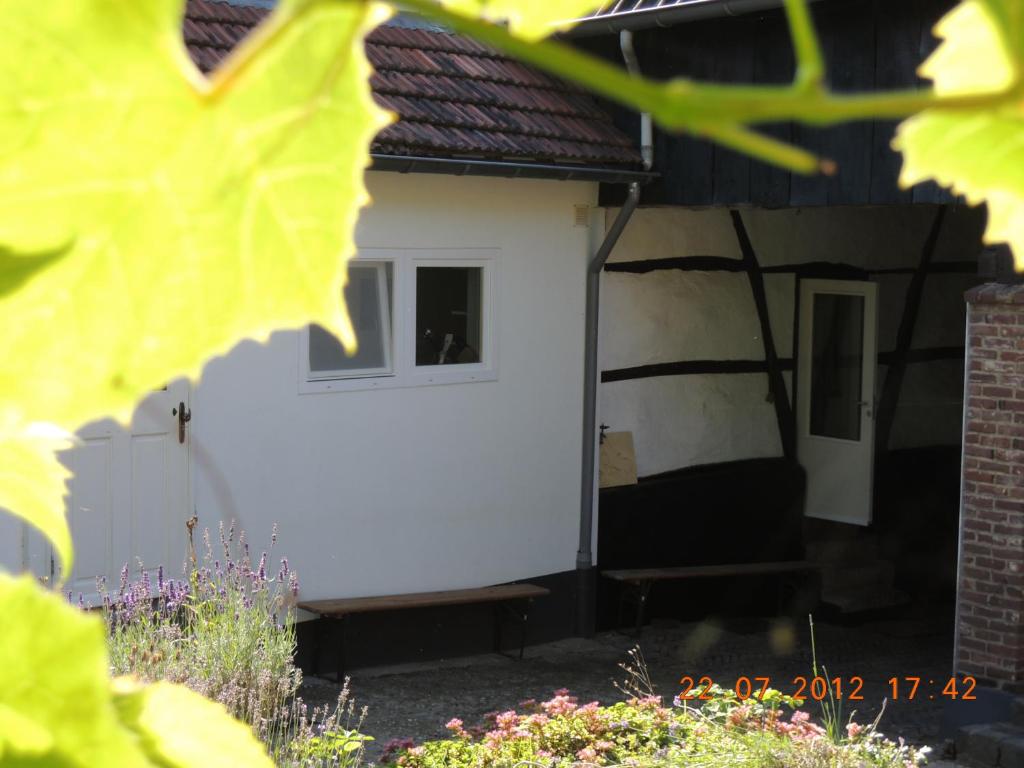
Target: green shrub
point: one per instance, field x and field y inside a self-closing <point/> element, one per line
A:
<point x="227" y="632"/>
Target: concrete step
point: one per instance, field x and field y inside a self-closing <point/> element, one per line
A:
<point x="874" y="574"/>
<point x="1017" y="711"/>
<point x="860" y="600"/>
<point x="991" y="745"/>
<point x="835" y="551"/>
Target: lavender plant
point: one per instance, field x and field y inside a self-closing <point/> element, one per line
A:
<point x="226" y="631"/>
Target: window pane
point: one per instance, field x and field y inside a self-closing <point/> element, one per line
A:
<point x="836" y="365"/>
<point x="369" y="307"/>
<point x="449" y="315"/>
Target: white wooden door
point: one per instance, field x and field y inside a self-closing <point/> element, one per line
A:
<point x="836" y="397"/>
<point x="129" y="497"/>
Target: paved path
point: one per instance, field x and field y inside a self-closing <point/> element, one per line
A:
<point x="415" y="701"/>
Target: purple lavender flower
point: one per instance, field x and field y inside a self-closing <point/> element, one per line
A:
<point x="124" y="578"/>
<point x="261" y="574"/>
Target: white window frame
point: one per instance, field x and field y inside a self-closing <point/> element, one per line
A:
<point x="387" y="335"/>
<point x="404" y="371"/>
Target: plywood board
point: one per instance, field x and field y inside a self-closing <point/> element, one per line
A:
<point x="618" y="460"/>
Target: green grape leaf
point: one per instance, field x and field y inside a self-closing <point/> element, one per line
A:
<point x="531" y="19"/>
<point x="186" y="213"/>
<point x="55" y="699"/>
<point x="32" y="485"/>
<point x="194" y="212"/>
<point x="17" y="268"/>
<point x="976" y="152"/>
<point x="178" y="728"/>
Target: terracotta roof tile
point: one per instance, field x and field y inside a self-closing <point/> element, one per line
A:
<point x="454" y="96"/>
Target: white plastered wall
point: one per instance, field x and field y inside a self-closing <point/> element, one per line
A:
<point x="429" y="487"/>
<point x="672" y="316"/>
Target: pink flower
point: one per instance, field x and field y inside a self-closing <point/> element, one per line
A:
<point x="853" y="730"/>
<point x="587" y="754"/>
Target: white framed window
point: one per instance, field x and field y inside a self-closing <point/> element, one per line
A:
<point x="368" y="296"/>
<point x="421" y="317"/>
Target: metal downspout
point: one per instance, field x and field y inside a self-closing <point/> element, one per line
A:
<point x="586" y="578"/>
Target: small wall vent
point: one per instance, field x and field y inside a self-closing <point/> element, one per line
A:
<point x="580" y="215"/>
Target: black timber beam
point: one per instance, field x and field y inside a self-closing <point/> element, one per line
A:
<point x="886" y="412"/>
<point x="776" y="384"/>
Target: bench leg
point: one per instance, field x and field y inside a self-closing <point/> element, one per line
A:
<point x="644" y="589"/>
<point x="340" y="624"/>
<point x="522" y="617"/>
<point x="321" y="642"/>
<point x="497" y="627"/>
<point x="526" y="618"/>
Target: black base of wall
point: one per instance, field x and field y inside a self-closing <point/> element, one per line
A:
<point x="429" y="634"/>
<point x="917" y="517"/>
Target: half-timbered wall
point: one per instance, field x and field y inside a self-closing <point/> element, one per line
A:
<point x="687" y="365"/>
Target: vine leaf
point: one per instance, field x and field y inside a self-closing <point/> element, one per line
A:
<point x="18" y="268"/>
<point x="32" y="485"/>
<point x="178" y="728"/>
<point x="530" y="19"/>
<point x="976" y="152"/>
<point x="198" y="212"/>
<point x="188" y="212"/>
<point x="59" y="708"/>
<point x="55" y="701"/>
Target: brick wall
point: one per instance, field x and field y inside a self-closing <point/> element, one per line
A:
<point x="990" y="635"/>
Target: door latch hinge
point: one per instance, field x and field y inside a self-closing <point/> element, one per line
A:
<point x="184" y="417"/>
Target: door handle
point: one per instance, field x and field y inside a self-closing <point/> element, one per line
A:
<point x="184" y="417"/>
<point x="869" y="404"/>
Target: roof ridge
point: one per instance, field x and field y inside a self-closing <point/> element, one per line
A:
<point x="526" y="131"/>
<point x="409" y="70"/>
<point x="536" y="133"/>
<point x="548" y="155"/>
<point x="486" y="53"/>
<point x="602" y="118"/>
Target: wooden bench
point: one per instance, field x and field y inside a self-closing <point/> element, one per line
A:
<point x="504" y="596"/>
<point x="643" y="579"/>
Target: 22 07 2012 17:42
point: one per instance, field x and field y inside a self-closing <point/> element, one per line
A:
<point x="818" y="688"/>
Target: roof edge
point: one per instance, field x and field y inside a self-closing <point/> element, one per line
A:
<point x="506" y="169"/>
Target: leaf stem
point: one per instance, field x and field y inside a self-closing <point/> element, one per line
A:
<point x="682" y="104"/>
<point x="766" y="148"/>
<point x="810" y="63"/>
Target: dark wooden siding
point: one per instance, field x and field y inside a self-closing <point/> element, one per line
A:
<point x="868" y="44"/>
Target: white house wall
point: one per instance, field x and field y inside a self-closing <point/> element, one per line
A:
<point x="427" y="487"/>
<point x="672" y="315"/>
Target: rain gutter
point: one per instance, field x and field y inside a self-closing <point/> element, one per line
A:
<point x="678" y="13"/>
<point x="506" y="169"/>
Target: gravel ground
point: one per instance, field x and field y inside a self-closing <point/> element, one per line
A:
<point x="415" y="701"/>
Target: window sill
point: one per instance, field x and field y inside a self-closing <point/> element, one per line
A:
<point x="422" y="377"/>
